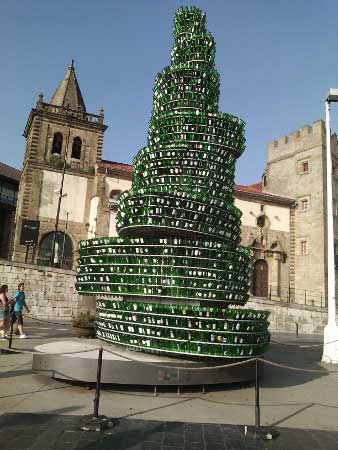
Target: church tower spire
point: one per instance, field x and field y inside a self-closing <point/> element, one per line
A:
<point x="61" y="137"/>
<point x="68" y="93"/>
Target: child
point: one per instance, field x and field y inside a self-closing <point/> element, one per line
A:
<point x="19" y="300"/>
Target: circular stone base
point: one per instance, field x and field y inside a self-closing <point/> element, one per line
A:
<point x="129" y="367"/>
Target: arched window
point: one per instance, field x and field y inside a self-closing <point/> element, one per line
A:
<point x="261" y="221"/>
<point x="76" y="148"/>
<point x="113" y="198"/>
<point x="114" y="195"/>
<point x="63" y="255"/>
<point x="57" y="144"/>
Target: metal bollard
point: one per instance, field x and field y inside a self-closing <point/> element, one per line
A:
<point x="96" y="423"/>
<point x="11" y="332"/>
<point x="98" y="385"/>
<point x="257" y="406"/>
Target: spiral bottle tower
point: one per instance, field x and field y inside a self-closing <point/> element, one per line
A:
<point x="173" y="277"/>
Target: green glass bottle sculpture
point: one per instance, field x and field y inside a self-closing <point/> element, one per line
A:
<point x="172" y="279"/>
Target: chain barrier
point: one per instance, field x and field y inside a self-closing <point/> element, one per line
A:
<point x="272" y="341"/>
<point x="238" y="363"/>
<point x="100" y="423"/>
<point x="300" y="345"/>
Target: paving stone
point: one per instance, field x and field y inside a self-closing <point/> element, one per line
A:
<point x="58" y="434"/>
<point x="21" y="442"/>
<point x="170" y="447"/>
<point x="173" y="439"/>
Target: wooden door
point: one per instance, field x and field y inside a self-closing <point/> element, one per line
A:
<point x="260" y="286"/>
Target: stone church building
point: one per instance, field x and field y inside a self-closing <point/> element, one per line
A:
<point x="283" y="219"/>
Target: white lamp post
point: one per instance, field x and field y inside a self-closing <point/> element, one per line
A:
<point x="330" y="349"/>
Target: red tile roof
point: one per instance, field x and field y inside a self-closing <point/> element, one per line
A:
<point x="9" y="172"/>
<point x="256" y="187"/>
<point x="116" y="165"/>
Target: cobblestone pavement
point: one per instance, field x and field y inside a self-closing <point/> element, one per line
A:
<point x="50" y="432"/>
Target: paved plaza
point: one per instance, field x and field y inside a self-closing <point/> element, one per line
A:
<point x="41" y="413"/>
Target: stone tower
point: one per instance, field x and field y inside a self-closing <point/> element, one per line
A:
<point x="57" y="132"/>
<point x="296" y="168"/>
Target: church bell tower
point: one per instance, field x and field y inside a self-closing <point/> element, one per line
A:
<point x="61" y="137"/>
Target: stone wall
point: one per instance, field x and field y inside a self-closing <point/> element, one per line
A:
<point x="50" y="292"/>
<point x="285" y="316"/>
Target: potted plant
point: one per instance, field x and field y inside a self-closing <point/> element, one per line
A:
<point x="84" y="324"/>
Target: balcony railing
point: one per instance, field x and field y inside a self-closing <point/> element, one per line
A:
<point x="8" y="199"/>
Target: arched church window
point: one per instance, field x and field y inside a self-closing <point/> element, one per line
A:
<point x="63" y="255"/>
<point x="76" y="148"/>
<point x="57" y="144"/>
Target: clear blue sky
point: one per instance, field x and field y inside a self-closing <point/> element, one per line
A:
<point x="276" y="59"/>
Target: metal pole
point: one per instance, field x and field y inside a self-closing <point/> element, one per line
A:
<point x="330" y="349"/>
<point x="108" y="219"/>
<point x="270" y="292"/>
<point x="289" y="294"/>
<point x="257" y="407"/>
<point x="305" y="296"/>
<point x="27" y="251"/>
<point x="11" y="331"/>
<point x="64" y="238"/>
<point x="98" y="384"/>
<point x="296" y="329"/>
<point x="60" y="194"/>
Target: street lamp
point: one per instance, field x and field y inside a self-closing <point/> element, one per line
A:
<point x="330" y="349"/>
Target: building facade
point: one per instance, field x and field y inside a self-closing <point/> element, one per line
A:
<point x="9" y="187"/>
<point x="62" y="137"/>
<point x="283" y="216"/>
<point x="296" y="167"/>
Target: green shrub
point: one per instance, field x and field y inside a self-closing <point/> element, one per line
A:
<point x="84" y="319"/>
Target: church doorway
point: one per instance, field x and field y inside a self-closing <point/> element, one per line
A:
<point x="260" y="287"/>
<point x="63" y="256"/>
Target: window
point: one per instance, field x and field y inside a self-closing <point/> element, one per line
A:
<point x="303" y="247"/>
<point x="57" y="144"/>
<point x="76" y="148"/>
<point x="304" y="167"/>
<point x="261" y="221"/>
<point x="113" y="198"/>
<point x="265" y="180"/>
<point x="63" y="251"/>
<point x="304" y="204"/>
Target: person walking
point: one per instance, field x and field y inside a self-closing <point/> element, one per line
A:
<point x="19" y="300"/>
<point x="4" y="311"/>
